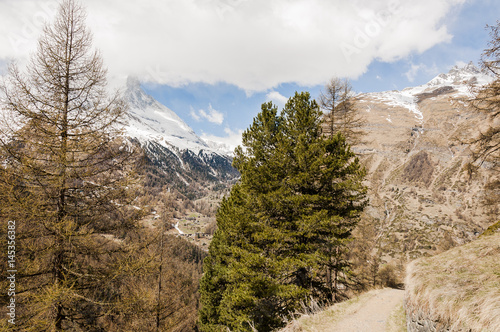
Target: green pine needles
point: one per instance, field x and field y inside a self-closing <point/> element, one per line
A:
<point x="282" y="232"/>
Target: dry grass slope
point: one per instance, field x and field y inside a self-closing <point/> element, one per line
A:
<point x="460" y="287"/>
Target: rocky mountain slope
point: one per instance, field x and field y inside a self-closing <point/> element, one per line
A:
<point x="176" y="156"/>
<point x="421" y="201"/>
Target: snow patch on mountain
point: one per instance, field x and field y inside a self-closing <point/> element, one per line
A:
<point x="150" y="120"/>
<point x="461" y="78"/>
<point x="458" y="78"/>
<point x="404" y="98"/>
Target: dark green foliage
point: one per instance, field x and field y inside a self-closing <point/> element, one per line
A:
<point x="282" y="232"/>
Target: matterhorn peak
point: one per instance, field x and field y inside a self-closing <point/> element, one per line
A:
<point x="137" y="97"/>
<point x="133" y="82"/>
<point x="149" y="120"/>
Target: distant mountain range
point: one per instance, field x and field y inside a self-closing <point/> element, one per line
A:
<point x="176" y="156"/>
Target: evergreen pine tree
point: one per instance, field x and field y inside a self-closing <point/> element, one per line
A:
<point x="282" y="232"/>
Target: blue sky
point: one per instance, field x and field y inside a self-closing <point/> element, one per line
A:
<point x="466" y="24"/>
<point x="214" y="62"/>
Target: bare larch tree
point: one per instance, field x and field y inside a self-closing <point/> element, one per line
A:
<point x="486" y="144"/>
<point x="339" y="104"/>
<point x="67" y="180"/>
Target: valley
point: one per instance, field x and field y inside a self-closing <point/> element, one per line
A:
<point x="421" y="200"/>
<point x="339" y="209"/>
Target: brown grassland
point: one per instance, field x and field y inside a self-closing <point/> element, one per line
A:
<point x="459" y="287"/>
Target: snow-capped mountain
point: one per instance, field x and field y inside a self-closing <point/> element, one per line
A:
<point x="177" y="156"/>
<point x="149" y="120"/>
<point x="456" y="81"/>
<point x="458" y="78"/>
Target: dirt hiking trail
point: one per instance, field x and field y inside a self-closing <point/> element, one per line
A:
<point x="379" y="310"/>
<point x="373" y="314"/>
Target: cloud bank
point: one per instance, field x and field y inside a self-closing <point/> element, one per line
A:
<point x="212" y="115"/>
<point x="254" y="44"/>
<point x="277" y="98"/>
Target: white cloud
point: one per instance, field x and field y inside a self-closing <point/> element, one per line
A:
<point x="277" y="98"/>
<point x="194" y="115"/>
<point x="212" y="115"/>
<point x="412" y="73"/>
<point x="254" y="44"/>
<point x="232" y="138"/>
<point x="3" y="67"/>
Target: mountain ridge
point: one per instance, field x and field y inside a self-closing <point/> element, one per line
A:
<point x="456" y="81"/>
<point x="175" y="155"/>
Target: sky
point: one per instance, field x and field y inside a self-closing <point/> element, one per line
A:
<point x="214" y="62"/>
